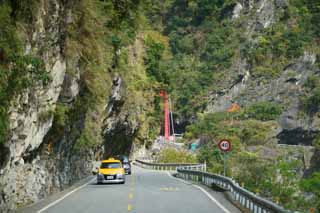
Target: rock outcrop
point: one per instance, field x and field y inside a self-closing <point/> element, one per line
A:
<point x="91" y="108"/>
<point x="294" y="126"/>
<point x="127" y="124"/>
<point x="24" y="181"/>
<point x="32" y="166"/>
<point x="286" y="90"/>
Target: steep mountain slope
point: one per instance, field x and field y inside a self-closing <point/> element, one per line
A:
<point x="73" y="86"/>
<point x="248" y="71"/>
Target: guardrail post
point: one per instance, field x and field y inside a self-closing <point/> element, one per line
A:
<point x="259" y="209"/>
<point x="255" y="209"/>
<point x="251" y="205"/>
<point x="241" y="200"/>
<point x="237" y="196"/>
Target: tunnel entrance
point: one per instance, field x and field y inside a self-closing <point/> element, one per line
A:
<point x="118" y="142"/>
<point x="297" y="136"/>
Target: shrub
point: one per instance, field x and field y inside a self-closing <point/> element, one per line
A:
<point x="9" y="42"/>
<point x="312" y="82"/>
<point x="255" y="132"/>
<point x="61" y="115"/>
<point x="3" y="124"/>
<point x="25" y="11"/>
<point x="213" y="157"/>
<point x="265" y="71"/>
<point x="311" y="104"/>
<point x="45" y="115"/>
<point x="264" y="111"/>
<point x="255" y="174"/>
<point x="208" y="125"/>
<point x="154" y="54"/>
<point x="170" y="155"/>
<point x="312" y="185"/>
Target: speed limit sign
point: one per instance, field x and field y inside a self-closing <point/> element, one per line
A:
<point x="224" y="145"/>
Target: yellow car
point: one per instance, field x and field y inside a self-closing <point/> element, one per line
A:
<point x="111" y="171"/>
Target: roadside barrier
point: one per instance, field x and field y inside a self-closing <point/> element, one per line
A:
<point x="237" y="194"/>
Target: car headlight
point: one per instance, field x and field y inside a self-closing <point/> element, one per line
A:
<point x="120" y="176"/>
<point x="126" y="166"/>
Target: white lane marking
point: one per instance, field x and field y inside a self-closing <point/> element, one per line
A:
<point x="212" y="198"/>
<point x="204" y="191"/>
<point x="66" y="195"/>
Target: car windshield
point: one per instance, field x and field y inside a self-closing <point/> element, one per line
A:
<point x="123" y="158"/>
<point x="112" y="165"/>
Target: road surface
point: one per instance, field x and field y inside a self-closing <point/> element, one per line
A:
<point x="145" y="191"/>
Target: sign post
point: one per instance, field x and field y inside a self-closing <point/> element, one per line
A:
<point x="224" y="146"/>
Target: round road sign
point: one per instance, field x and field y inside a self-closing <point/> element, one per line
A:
<point x="224" y="145"/>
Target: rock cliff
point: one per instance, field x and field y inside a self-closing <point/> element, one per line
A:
<point x="90" y="108"/>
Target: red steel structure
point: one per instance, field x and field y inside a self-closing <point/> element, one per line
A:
<point x="166" y="115"/>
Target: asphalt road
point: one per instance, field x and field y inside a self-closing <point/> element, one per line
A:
<point x="145" y="191"/>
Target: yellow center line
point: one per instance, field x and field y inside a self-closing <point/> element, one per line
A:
<point x="130" y="196"/>
<point x="131" y="193"/>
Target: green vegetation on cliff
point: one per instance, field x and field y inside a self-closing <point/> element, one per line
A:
<point x="207" y="47"/>
<point x="312" y="184"/>
<point x="205" y="43"/>
<point x="110" y="42"/>
<point x="191" y="48"/>
<point x="311" y="103"/>
<point x="259" y="168"/>
<point x="17" y="71"/>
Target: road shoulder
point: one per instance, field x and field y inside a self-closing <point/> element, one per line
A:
<point x="35" y="207"/>
<point x="220" y="197"/>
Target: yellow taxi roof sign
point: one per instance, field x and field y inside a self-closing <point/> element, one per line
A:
<point x="111" y="160"/>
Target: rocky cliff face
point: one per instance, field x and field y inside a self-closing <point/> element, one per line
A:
<point x="287" y="89"/>
<point x="24" y="176"/>
<point x="127" y="124"/>
<point x="92" y="107"/>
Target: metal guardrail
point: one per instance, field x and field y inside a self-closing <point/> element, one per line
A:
<point x="197" y="172"/>
<point x="244" y="197"/>
<point x="171" y="166"/>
